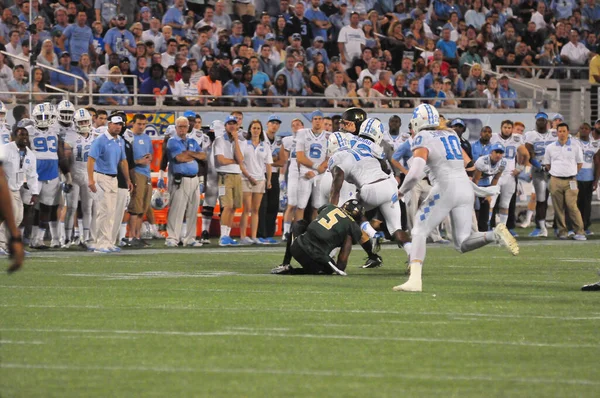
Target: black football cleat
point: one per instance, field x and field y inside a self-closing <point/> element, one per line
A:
<point x="374" y="262"/>
<point x="205" y="238"/>
<point x="594" y="287"/>
<point x="283" y="269"/>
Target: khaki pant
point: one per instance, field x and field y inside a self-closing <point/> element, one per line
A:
<point x="184" y="202"/>
<point x="106" y="201"/>
<point x="119" y="211"/>
<point x="142" y="194"/>
<point x="230" y="190"/>
<point x="17" y="205"/>
<point x="565" y="198"/>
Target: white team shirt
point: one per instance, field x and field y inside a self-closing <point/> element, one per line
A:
<point x="205" y="144"/>
<point x="489" y="169"/>
<point x="540" y="142"/>
<point x="289" y="144"/>
<point x="80" y="148"/>
<point x="589" y="149"/>
<point x="511" y="144"/>
<point x="396" y="141"/>
<point x="256" y="158"/>
<point x="445" y="160"/>
<point x="360" y="167"/>
<point x="4" y="134"/>
<point x="563" y="159"/>
<point x="313" y="146"/>
<point x="44" y="143"/>
<point x="224" y="146"/>
<point x="61" y="131"/>
<point x="20" y="169"/>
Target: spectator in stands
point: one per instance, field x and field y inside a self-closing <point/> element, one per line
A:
<point x="575" y="53"/>
<point x="318" y="79"/>
<point x="39" y="84"/>
<point x="17" y="83"/>
<point x="591" y="12"/>
<point x="118" y="39"/>
<point x="176" y="86"/>
<point x="294" y="79"/>
<point x="221" y="19"/>
<point x="155" y="86"/>
<point x="538" y="17"/>
<point x="418" y="30"/>
<point x="372" y="71"/>
<point x="476" y="15"/>
<point x="105" y="10"/>
<point x="493" y="94"/>
<point x="154" y="34"/>
<point x="6" y="25"/>
<point x="371" y="40"/>
<point x="97" y="40"/>
<point x="548" y="57"/>
<point x="137" y="30"/>
<point x="485" y="39"/>
<point x="315" y="50"/>
<point x="471" y="56"/>
<point x="480" y="97"/>
<point x="337" y="90"/>
<point x="114" y="85"/>
<point x="335" y="66"/>
<point x="447" y="46"/>
<point x="85" y="64"/>
<point x="318" y="20"/>
<point x="533" y="38"/>
<point x="14" y="44"/>
<point x="174" y="17"/>
<point x="79" y="37"/>
<point x="5" y="76"/>
<point x="279" y="88"/>
<point x="458" y="84"/>
<point x="351" y="41"/>
<point x="475" y="75"/>
<point x="236" y="88"/>
<point x="260" y="80"/>
<point x="67" y="82"/>
<point x="190" y="89"/>
<point x="508" y="95"/>
<point x="434" y="73"/>
<point x="435" y="93"/>
<point x="168" y="57"/>
<point x="498" y="59"/>
<point x="508" y="40"/>
<point x="370" y="98"/>
<point x="266" y="64"/>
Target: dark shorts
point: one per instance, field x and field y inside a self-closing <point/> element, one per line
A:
<point x="310" y="264"/>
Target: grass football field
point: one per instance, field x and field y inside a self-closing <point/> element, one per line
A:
<point x="212" y="322"/>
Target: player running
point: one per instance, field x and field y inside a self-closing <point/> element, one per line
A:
<point x="451" y="193"/>
<point x="311" y="244"/>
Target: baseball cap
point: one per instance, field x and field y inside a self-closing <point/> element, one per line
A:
<point x="597" y="121"/>
<point x="65" y="54"/>
<point x="558" y="116"/>
<point x="446" y="80"/>
<point x="481" y="81"/>
<point x="274" y="118"/>
<point x="316" y="114"/>
<point x="121" y="17"/>
<point x="335" y="58"/>
<point x="124" y="59"/>
<point x="209" y="58"/>
<point x="116" y="119"/>
<point x="144" y="9"/>
<point x="458" y="122"/>
<point x="270" y="36"/>
<point x="498" y="147"/>
<point x="280" y="38"/>
<point x="230" y="119"/>
<point x="296" y="36"/>
<point x="237" y="61"/>
<point x="237" y="70"/>
<point x="503" y="77"/>
<point x="189" y="114"/>
<point x="319" y="38"/>
<point x="224" y="55"/>
<point x="541" y="115"/>
<point x="410" y="34"/>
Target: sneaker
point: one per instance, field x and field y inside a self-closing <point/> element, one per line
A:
<point x="40" y="246"/>
<point x="104" y="251"/>
<point x="594" y="287"/>
<point x="409" y="286"/>
<point x="562" y="237"/>
<point x="284" y="237"/>
<point x="145" y="243"/>
<point x="539" y="233"/>
<point x="66" y="245"/>
<point x="504" y="238"/>
<point x="205" y="238"/>
<point x="579" y="237"/>
<point x="126" y="243"/>
<point x="570" y="233"/>
<point x="375" y="262"/>
<point x="194" y="243"/>
<point x="376" y="243"/>
<point x="55" y="244"/>
<point x="226" y="241"/>
<point x="3" y="252"/>
<point x="588" y="232"/>
<point x="171" y="243"/>
<point x="261" y="241"/>
<point x="246" y="241"/>
<point x="114" y="249"/>
<point x="525" y="224"/>
<point x="442" y="242"/>
<point x="283" y="269"/>
<point x="271" y="241"/>
<point x="513" y="233"/>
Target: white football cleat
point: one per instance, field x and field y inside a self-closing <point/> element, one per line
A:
<point x="505" y="238"/>
<point x="410" y="286"/>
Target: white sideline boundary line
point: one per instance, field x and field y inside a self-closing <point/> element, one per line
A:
<point x="317" y="373"/>
<point x="226" y="333"/>
<point x="302" y="310"/>
<point x="33" y="342"/>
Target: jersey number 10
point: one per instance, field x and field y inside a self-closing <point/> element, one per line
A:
<point x="453" y="148"/>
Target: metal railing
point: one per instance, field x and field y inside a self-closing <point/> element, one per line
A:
<point x="557" y="68"/>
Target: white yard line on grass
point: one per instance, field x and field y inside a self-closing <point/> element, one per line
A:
<point x="226" y="333"/>
<point x="33" y="342"/>
<point x="296" y="372"/>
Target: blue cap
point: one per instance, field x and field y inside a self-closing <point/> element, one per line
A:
<point x="237" y="70"/>
<point x="558" y="116"/>
<point x="458" y="122"/>
<point x="541" y="115"/>
<point x="497" y="147"/>
<point x="274" y="118"/>
<point x="144" y="9"/>
<point x="270" y="36"/>
<point x="230" y="119"/>
<point x="315" y="114"/>
<point x="189" y="114"/>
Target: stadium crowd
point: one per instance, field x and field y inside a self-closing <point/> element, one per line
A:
<point x="372" y="53"/>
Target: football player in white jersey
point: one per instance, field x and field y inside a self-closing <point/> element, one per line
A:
<point x="311" y="152"/>
<point x="451" y="193"/>
<point x="288" y="151"/>
<point x="587" y="178"/>
<point x="4" y="129"/>
<point x="536" y="142"/>
<point x="77" y="146"/>
<point x="64" y="122"/>
<point x="393" y="135"/>
<point x="488" y="171"/>
<point x="336" y="142"/>
<point x="360" y="165"/>
<point x="45" y="146"/>
<point x="507" y="183"/>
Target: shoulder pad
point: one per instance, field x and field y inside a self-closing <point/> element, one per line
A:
<point x="517" y="137"/>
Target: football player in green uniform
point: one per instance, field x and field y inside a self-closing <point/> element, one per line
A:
<point x="311" y="244"/>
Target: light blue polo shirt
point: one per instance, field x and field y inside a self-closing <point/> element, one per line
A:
<point x="176" y="146"/>
<point x="108" y="153"/>
<point x="142" y="145"/>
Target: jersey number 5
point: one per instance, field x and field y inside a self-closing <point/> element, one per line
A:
<point x="453" y="149"/>
<point x="331" y="218"/>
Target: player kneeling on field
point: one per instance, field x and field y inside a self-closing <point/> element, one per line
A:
<point x="311" y="244"/>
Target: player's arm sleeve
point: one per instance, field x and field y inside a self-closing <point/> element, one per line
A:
<point x="415" y="174"/>
<point x="32" y="177"/>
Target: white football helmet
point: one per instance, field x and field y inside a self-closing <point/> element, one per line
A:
<point x="160" y="199"/>
<point x="66" y="111"/>
<point x="83" y="121"/>
<point x="425" y="116"/>
<point x="218" y="127"/>
<point x="335" y="142"/>
<point x="170" y="131"/>
<point x="42" y="115"/>
<point x="3" y="111"/>
<point x="372" y="128"/>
